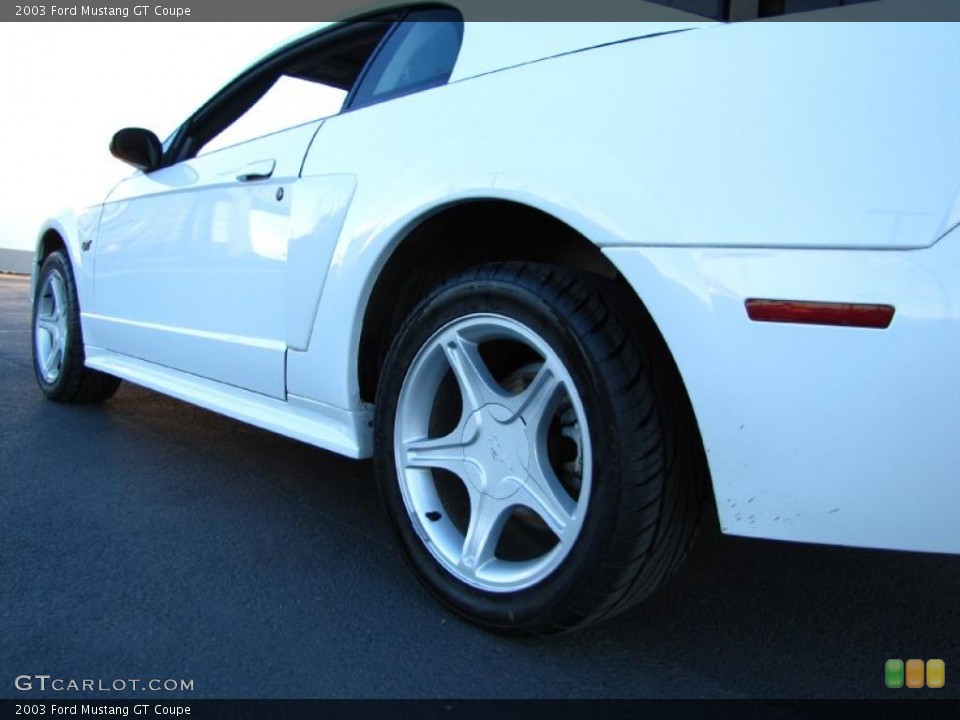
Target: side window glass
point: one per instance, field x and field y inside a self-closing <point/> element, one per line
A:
<point x="309" y="81"/>
<point x="420" y="55"/>
<point x="289" y="102"/>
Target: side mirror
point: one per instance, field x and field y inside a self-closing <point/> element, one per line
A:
<point x="138" y="147"/>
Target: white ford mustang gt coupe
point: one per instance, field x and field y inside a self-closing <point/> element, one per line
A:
<point x="569" y="284"/>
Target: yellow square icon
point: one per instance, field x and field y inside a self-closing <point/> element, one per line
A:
<point x="914" y="673"/>
<point x="936" y="673"/>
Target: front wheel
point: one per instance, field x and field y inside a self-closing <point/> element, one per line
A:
<point x="526" y="440"/>
<point x="58" y="341"/>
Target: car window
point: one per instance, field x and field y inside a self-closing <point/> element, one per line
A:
<point x="306" y="82"/>
<point x="289" y="102"/>
<point x="420" y="54"/>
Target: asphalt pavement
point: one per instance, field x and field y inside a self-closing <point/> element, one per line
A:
<point x="146" y="538"/>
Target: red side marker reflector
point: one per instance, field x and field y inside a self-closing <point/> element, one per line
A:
<point x="820" y="313"/>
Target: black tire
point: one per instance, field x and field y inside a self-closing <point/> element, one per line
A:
<point x="69" y="381"/>
<point x="649" y="474"/>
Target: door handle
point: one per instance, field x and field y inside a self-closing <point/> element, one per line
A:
<point x="257" y="171"/>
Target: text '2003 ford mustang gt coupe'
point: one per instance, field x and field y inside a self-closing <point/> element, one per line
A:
<point x="568" y="284"/>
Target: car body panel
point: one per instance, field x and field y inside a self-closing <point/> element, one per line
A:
<point x="829" y="434"/>
<point x="491" y="47"/>
<point x="653" y="191"/>
<point x="75" y="228"/>
<point x="710" y="166"/>
<point x="192" y="265"/>
<point x="319" y="207"/>
<point x="826" y="481"/>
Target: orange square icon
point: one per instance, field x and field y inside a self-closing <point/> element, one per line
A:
<point x="936" y="673"/>
<point x="914" y="673"/>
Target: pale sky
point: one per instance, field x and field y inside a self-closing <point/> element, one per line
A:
<point x="65" y="88"/>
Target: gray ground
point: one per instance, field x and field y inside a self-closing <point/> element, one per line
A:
<point x="147" y="538"/>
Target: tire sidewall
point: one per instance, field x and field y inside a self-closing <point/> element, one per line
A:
<point x="535" y="605"/>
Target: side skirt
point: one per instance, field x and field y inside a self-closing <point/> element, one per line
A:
<point x="345" y="432"/>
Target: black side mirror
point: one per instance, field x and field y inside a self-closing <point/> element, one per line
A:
<point x="138" y="147"/>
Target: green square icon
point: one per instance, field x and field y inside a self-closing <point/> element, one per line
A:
<point x="893" y="673"/>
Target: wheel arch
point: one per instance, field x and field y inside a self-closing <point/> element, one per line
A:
<point x="50" y="239"/>
<point x="60" y="233"/>
<point x="451" y="238"/>
<point x="469" y="232"/>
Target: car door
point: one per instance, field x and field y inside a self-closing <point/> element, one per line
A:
<point x="192" y="260"/>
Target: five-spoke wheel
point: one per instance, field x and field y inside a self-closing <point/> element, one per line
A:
<point x="50" y="327"/>
<point x="518" y="452"/>
<point x="533" y="450"/>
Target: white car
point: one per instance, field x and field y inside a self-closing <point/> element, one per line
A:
<point x="569" y="284"/>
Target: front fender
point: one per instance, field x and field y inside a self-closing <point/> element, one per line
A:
<point x="74" y="230"/>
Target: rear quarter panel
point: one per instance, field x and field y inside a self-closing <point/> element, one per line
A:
<point x="795" y="160"/>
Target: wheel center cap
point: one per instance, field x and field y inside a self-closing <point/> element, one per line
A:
<point x="496" y="451"/>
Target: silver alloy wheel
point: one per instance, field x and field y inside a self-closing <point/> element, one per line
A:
<point x="50" y="327"/>
<point x="502" y="451"/>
